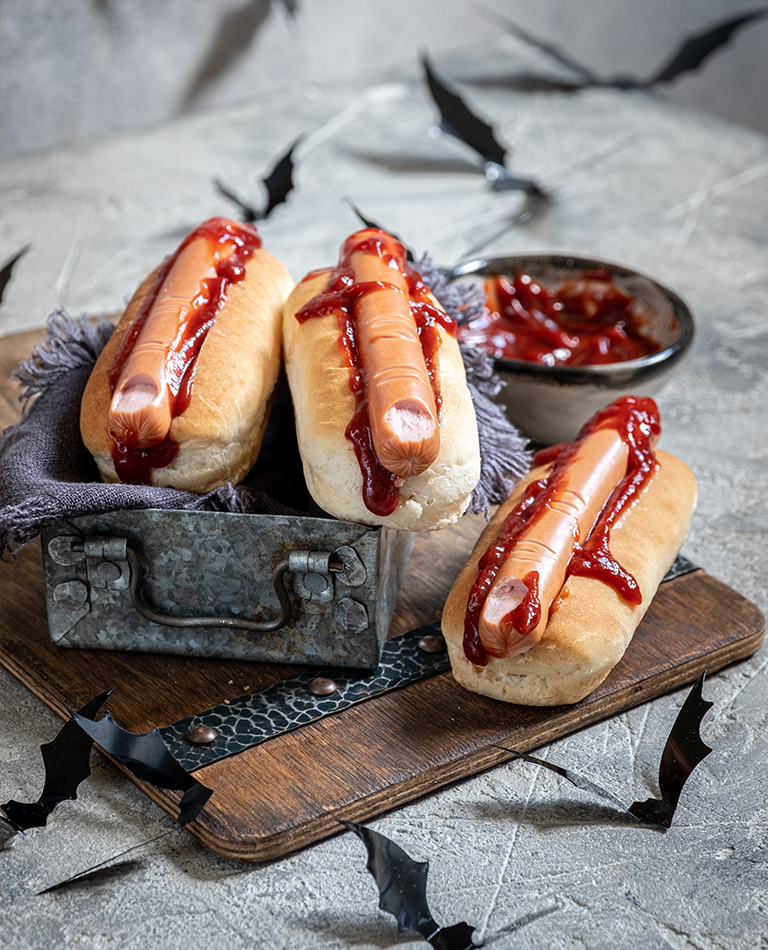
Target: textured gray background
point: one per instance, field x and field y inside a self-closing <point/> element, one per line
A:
<point x="636" y="178"/>
<point x="73" y="70"/>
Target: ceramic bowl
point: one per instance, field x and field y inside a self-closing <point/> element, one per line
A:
<point x="551" y="403"/>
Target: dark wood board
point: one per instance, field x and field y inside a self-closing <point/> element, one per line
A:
<point x="293" y="789"/>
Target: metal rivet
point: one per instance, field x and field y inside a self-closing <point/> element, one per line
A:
<point x="63" y="549"/>
<point x="108" y="571"/>
<point x="351" y="616"/>
<point x="201" y="735"/>
<point x="431" y="644"/>
<point x="316" y="583"/>
<point x="322" y="686"/>
<point x="70" y="595"/>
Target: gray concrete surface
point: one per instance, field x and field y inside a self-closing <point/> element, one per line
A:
<point x="73" y="72"/>
<point x="637" y="179"/>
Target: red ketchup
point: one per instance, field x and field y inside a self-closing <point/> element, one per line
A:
<point x="380" y="486"/>
<point x="637" y="422"/>
<point x="133" y="465"/>
<point x="587" y="320"/>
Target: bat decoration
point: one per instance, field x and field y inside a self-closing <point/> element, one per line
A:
<point x="369" y="223"/>
<point x="683" y="751"/>
<point x="689" y="56"/>
<point x="457" y="119"/>
<point x="402" y="884"/>
<point x="279" y="184"/>
<point x="66" y="760"/>
<point x="7" y="269"/>
<point x="147" y="758"/>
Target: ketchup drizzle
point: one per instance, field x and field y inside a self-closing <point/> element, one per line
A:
<point x="637" y="421"/>
<point x="380" y="486"/>
<point x="586" y="321"/>
<point x="133" y="465"/>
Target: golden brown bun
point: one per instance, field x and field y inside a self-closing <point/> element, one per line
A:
<point x="587" y="636"/>
<point x="219" y="434"/>
<point x="324" y="404"/>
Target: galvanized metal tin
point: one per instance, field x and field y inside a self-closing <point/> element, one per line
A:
<point x="107" y="575"/>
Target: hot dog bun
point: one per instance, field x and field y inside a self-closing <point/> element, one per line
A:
<point x="324" y="405"/>
<point x="219" y="434"/>
<point x="588" y="633"/>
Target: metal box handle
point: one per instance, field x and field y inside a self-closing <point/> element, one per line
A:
<point x="240" y="623"/>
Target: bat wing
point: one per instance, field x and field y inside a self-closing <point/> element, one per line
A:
<point x="279" y="182"/>
<point x="66" y="760"/>
<point x="7" y="269"/>
<point x="147" y="758"/>
<point x="370" y="223"/>
<point x="402" y="882"/>
<point x="457" y="119"/>
<point x="695" y="49"/>
<point x="683" y="751"/>
<point x="248" y="213"/>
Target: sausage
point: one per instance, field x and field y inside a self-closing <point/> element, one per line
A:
<point x="517" y="608"/>
<point x="140" y="413"/>
<point x="402" y="412"/>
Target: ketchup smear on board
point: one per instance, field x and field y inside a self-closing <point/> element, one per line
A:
<point x="133" y="465"/>
<point x="380" y="486"/>
<point x="637" y="422"/>
<point x="587" y="320"/>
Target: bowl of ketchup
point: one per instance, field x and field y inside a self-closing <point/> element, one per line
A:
<point x="570" y="334"/>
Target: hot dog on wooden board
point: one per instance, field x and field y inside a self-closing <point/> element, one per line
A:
<point x="180" y="395"/>
<point x="549" y="599"/>
<point x="385" y="422"/>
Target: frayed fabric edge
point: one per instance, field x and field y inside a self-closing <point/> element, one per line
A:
<point x="69" y="344"/>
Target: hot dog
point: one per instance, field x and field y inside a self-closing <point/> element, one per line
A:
<point x="616" y="549"/>
<point x="179" y="396"/>
<point x="385" y="422"/>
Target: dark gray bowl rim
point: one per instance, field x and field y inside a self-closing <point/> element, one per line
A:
<point x="504" y="265"/>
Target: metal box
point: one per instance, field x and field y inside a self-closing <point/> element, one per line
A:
<point x="273" y="588"/>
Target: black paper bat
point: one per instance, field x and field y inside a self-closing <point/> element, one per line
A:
<point x="402" y="884"/>
<point x="7" y="269"/>
<point x="690" y="55"/>
<point x="457" y="119"/>
<point x="683" y="751"/>
<point x="370" y="223"/>
<point x="279" y="184"/>
<point x="67" y="764"/>
<point x="148" y="759"/>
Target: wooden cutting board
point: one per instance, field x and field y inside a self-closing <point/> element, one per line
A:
<point x="293" y="789"/>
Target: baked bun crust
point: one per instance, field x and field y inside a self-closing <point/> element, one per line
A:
<point x="588" y="634"/>
<point x="324" y="404"/>
<point x="219" y="434"/>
